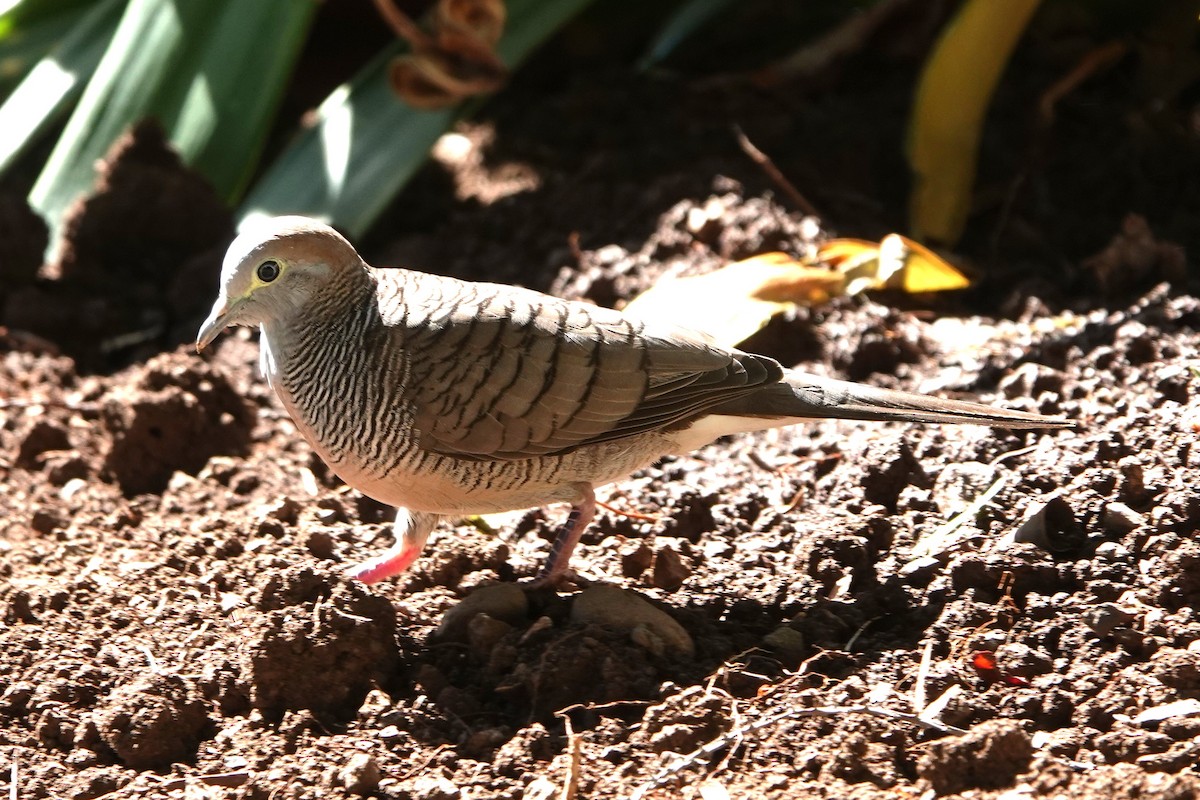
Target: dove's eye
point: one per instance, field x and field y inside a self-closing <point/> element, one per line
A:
<point x="268" y="271"/>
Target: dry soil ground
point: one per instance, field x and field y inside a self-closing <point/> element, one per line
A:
<point x="174" y="622"/>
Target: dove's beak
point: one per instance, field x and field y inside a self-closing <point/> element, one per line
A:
<point x="217" y="321"/>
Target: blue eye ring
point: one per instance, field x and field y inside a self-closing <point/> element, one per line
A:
<point x="268" y="271"/>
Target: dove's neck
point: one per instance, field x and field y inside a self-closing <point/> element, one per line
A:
<point x="316" y="362"/>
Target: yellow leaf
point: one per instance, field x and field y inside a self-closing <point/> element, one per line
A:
<point x="947" y="118"/>
<point x="895" y="263"/>
<point x="736" y="301"/>
<point x="921" y="269"/>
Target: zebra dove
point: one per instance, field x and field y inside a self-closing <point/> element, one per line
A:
<point x="444" y="398"/>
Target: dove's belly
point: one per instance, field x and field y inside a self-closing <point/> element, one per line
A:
<point x="447" y="485"/>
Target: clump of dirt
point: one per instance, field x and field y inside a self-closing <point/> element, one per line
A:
<point x="167" y="416"/>
<point x="152" y="722"/>
<point x="988" y="757"/>
<point x="316" y="641"/>
<point x="139" y="257"/>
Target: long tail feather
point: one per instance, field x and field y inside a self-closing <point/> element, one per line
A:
<point x="802" y="395"/>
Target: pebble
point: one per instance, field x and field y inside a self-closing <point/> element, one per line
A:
<point x="1112" y="551"/>
<point x="1120" y="519"/>
<point x="360" y="775"/>
<point x="669" y="571"/>
<point x="433" y="787"/>
<point x="72" y="488"/>
<point x="539" y="789"/>
<point x="786" y="641"/>
<point x="958" y="485"/>
<point x="1051" y="526"/>
<point x="500" y="601"/>
<point x="615" y="608"/>
<point x="1106" y="617"/>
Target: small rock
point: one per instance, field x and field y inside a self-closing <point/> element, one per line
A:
<point x="1022" y="660"/>
<point x="330" y="511"/>
<point x="484" y="632"/>
<point x="180" y="481"/>
<point x="787" y="642"/>
<point x="1112" y="551"/>
<point x="670" y="571"/>
<point x="919" y="568"/>
<point x="72" y="488"/>
<point x="360" y="775"/>
<point x="377" y="701"/>
<point x="1106" y="617"/>
<point x="1120" y="519"/>
<point x="500" y="601"/>
<point x="540" y="789"/>
<point x="1030" y="380"/>
<point x="615" y="608"/>
<point x="717" y="548"/>
<point x="46" y="520"/>
<point x="285" y="510"/>
<point x="636" y="561"/>
<point x="958" y="485"/>
<point x="1051" y="526"/>
<point x="436" y="786"/>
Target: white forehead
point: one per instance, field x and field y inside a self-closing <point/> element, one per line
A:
<point x="258" y="233"/>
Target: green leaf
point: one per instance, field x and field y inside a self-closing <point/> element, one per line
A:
<point x="686" y="19"/>
<point x="56" y="82"/>
<point x="366" y="144"/>
<point x="27" y="37"/>
<point x="210" y="71"/>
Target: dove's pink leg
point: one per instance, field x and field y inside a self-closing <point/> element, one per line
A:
<point x="412" y="528"/>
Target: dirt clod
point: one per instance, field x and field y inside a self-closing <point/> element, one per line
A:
<point x="152" y="722"/>
<point x="317" y="642"/>
<point x="990" y="756"/>
<point x="172" y="415"/>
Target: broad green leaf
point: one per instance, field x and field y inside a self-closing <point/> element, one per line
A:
<point x="27" y="37"/>
<point x="210" y="71"/>
<point x="366" y="144"/>
<point x="25" y="15"/>
<point x="56" y="81"/>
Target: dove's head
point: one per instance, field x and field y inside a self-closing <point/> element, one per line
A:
<point x="273" y="270"/>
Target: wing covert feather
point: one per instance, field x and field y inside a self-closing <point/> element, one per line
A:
<point x="503" y="373"/>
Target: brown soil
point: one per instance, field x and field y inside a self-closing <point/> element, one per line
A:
<point x="174" y="621"/>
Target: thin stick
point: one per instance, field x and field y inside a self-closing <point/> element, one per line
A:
<point x="919" y="697"/>
<point x="768" y="166"/>
<point x="575" y="744"/>
<point x="630" y="514"/>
